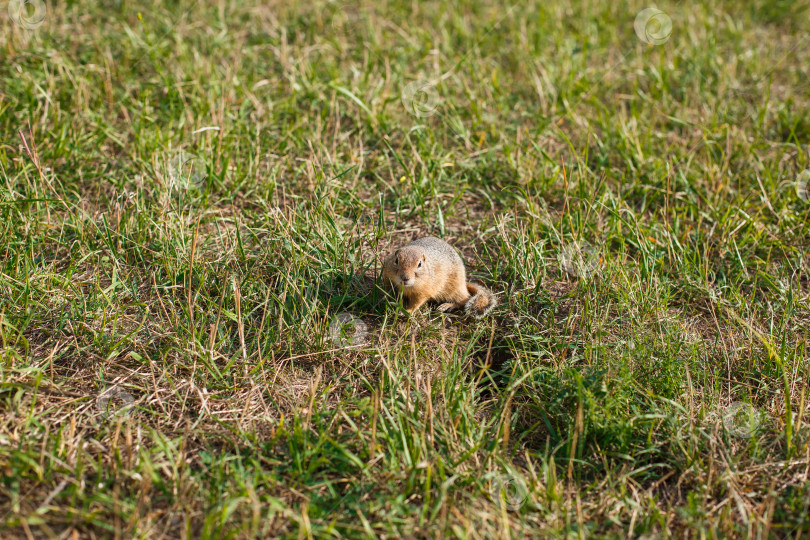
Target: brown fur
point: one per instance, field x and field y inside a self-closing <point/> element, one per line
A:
<point x="430" y="269"/>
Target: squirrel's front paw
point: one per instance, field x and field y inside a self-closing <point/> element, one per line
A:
<point x="447" y="306"/>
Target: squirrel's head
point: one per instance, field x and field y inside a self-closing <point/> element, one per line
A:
<point x="409" y="264"/>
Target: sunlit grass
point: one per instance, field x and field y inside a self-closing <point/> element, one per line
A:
<point x="192" y="195"/>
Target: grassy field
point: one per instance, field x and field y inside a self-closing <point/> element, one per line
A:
<point x="194" y="200"/>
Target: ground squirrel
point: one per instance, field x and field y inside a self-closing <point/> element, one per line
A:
<point x="430" y="269"/>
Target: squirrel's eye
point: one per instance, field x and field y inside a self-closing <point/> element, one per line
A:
<point x="419" y="265"/>
<point x="396" y="260"/>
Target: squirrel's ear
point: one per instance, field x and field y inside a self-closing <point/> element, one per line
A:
<point x="424" y="258"/>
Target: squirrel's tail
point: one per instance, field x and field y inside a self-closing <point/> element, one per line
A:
<point x="481" y="300"/>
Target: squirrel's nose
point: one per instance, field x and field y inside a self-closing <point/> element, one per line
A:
<point x="404" y="278"/>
